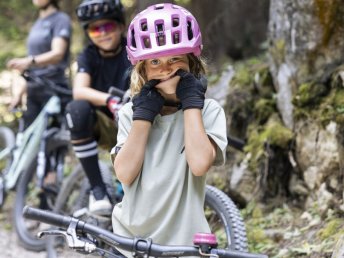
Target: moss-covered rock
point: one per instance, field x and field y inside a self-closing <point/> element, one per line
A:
<point x="272" y="133"/>
<point x="332" y="228"/>
<point x="309" y="94"/>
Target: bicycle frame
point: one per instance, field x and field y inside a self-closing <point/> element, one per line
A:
<point x="28" y="144"/>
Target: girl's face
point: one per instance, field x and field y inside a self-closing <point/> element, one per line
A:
<point x="164" y="69"/>
<point x="105" y="34"/>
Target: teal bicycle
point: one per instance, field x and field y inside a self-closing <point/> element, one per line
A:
<point x="25" y="160"/>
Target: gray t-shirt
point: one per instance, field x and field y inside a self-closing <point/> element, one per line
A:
<point x="39" y="41"/>
<point x="165" y="202"/>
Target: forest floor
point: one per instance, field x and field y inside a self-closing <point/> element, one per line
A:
<point x="286" y="231"/>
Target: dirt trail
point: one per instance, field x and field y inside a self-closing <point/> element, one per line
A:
<point x="9" y="244"/>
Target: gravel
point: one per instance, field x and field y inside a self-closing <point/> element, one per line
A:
<point x="9" y="243"/>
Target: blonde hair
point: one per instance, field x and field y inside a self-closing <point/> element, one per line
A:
<point x="138" y="75"/>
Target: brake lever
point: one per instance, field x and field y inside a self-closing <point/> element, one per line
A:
<point x="71" y="238"/>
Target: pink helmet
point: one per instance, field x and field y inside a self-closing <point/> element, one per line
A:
<point x="163" y="29"/>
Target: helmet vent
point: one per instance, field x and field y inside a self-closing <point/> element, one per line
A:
<point x="161" y="40"/>
<point x="144" y="26"/>
<point x="159" y="7"/>
<point x="146" y="42"/>
<point x="175" y="21"/>
<point x="176" y="38"/>
<point x="106" y="8"/>
<point x="190" y="32"/>
<point x="159" y="28"/>
<point x="133" y="42"/>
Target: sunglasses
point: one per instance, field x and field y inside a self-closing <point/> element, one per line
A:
<point x="96" y="31"/>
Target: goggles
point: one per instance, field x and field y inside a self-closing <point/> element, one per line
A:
<point x="96" y="31"/>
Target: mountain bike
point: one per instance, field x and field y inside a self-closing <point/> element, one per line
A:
<point x="84" y="237"/>
<point x="27" y="158"/>
<point x="222" y="214"/>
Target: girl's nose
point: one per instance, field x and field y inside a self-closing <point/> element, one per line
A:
<point x="166" y="68"/>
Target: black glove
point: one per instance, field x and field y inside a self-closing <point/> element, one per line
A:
<point x="190" y="90"/>
<point x="148" y="103"/>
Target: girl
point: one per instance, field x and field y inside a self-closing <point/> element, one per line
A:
<point x="169" y="136"/>
<point x="102" y="63"/>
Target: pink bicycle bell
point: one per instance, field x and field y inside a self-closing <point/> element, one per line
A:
<point x="162" y="30"/>
<point x="205" y="241"/>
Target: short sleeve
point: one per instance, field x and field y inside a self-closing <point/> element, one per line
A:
<point x="125" y="115"/>
<point x="214" y="121"/>
<point x="83" y="64"/>
<point x="62" y="28"/>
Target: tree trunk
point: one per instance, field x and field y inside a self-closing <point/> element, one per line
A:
<point x="232" y="29"/>
<point x="306" y="40"/>
<point x="306" y="50"/>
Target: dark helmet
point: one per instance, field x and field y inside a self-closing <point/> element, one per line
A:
<point x="92" y="10"/>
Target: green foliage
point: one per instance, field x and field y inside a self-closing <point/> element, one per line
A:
<point x="331" y="228"/>
<point x="310" y="94"/>
<point x="320" y="102"/>
<point x="264" y="108"/>
<point x="278" y="51"/>
<point x="15" y="19"/>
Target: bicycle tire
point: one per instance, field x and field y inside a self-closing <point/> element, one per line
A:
<point x="26" y="237"/>
<point x="225" y="220"/>
<point x="77" y="182"/>
<point x="27" y="193"/>
<point x="73" y="199"/>
<point x="7" y="142"/>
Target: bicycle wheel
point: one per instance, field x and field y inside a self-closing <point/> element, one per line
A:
<point x="225" y="220"/>
<point x="73" y="200"/>
<point x="7" y="142"/>
<point x="74" y="194"/>
<point x="28" y="193"/>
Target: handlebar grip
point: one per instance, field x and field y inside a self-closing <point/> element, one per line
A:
<point x="116" y="92"/>
<point x="236" y="143"/>
<point x="47" y="217"/>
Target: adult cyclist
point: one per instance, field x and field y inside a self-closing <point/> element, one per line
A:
<point x="48" y="49"/>
<point x="48" y="45"/>
<point x="102" y="64"/>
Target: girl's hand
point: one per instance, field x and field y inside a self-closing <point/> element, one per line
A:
<point x="148" y="103"/>
<point x="190" y="90"/>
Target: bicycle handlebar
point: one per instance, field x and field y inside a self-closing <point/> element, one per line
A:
<point x="236" y="143"/>
<point x="140" y="246"/>
<point x="124" y="95"/>
<point x="42" y="81"/>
